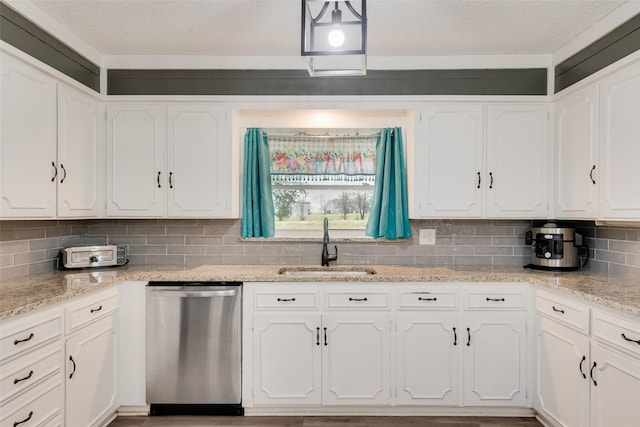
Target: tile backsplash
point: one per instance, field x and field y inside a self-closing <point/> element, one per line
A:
<point x="30" y="247"/>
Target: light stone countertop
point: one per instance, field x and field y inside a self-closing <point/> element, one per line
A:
<point x="22" y="295"/>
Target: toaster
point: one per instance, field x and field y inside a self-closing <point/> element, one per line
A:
<point x="94" y="256"/>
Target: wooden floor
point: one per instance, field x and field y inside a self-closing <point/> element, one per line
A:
<point x="191" y="421"/>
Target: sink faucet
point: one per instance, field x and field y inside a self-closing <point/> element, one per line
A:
<point x="326" y="257"/>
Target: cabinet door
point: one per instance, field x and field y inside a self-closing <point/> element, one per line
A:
<point x="448" y="161"/>
<point x="615" y="388"/>
<point x="287" y="350"/>
<point x="136" y="168"/>
<point x="577" y="155"/>
<point x="562" y="374"/>
<point x="494" y="347"/>
<point x="427" y="362"/>
<point x="355" y="360"/>
<point x="619" y="147"/>
<point x="199" y="159"/>
<point x="80" y="154"/>
<point x="516" y="185"/>
<point x="91" y="374"/>
<point x="28" y="164"/>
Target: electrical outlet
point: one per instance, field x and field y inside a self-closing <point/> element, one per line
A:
<point x="427" y="236"/>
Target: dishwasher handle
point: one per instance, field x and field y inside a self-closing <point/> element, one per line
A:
<point x="181" y="293"/>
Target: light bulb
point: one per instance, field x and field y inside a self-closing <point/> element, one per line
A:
<point x="336" y="37"/>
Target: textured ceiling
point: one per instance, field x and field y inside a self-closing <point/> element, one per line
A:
<point x="272" y="27"/>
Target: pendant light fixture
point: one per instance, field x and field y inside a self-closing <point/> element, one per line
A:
<point x="334" y="44"/>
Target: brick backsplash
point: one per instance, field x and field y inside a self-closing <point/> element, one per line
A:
<point x="30" y="247"/>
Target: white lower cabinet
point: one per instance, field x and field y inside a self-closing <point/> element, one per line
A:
<point x="287" y="351"/>
<point x="586" y="379"/>
<point x="90" y="357"/>
<point x="377" y="345"/>
<point x="355" y="363"/>
<point x="428" y="350"/>
<point x="303" y="354"/>
<point x="495" y="362"/>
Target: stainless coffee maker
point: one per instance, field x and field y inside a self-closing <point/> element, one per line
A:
<point x="556" y="248"/>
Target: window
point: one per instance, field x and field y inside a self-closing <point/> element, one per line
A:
<point x="318" y="173"/>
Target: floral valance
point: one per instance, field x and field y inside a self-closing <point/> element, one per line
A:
<point x="322" y="158"/>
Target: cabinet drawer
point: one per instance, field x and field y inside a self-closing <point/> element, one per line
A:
<point x="359" y="298"/>
<point x="426" y="300"/>
<point x="620" y="332"/>
<point x="285" y="300"/>
<point x="508" y="300"/>
<point x="91" y="308"/>
<point x="36" y="409"/>
<point x="563" y="310"/>
<point x="24" y="335"/>
<point x="29" y="370"/>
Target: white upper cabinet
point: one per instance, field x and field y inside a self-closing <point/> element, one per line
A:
<point x="170" y="161"/>
<point x="481" y="164"/>
<point x="619" y="145"/>
<point x="576" y="137"/>
<point x="28" y="142"/>
<point x="52" y="147"/>
<point x="136" y="162"/>
<point x="517" y="161"/>
<point x="199" y="167"/>
<point x="449" y="161"/>
<point x="80" y="154"/>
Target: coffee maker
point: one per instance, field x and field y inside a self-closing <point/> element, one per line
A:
<point x="556" y="248"/>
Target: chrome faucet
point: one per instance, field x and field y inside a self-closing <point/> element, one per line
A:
<point x="326" y="257"/>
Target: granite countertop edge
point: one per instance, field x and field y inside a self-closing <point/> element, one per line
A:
<point x="25" y="294"/>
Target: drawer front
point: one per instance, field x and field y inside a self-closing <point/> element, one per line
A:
<point x="90" y="309"/>
<point x="425" y="300"/>
<point x="497" y="300"/>
<point x="286" y="300"/>
<point x="39" y="409"/>
<point x="563" y="310"/>
<point x="29" y="370"/>
<point x="622" y="333"/>
<point x="357" y="299"/>
<point x="25" y="337"/>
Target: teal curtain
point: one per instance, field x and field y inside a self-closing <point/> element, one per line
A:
<point x="257" y="199"/>
<point x="389" y="216"/>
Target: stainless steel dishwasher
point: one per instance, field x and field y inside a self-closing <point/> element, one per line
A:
<point x="193" y="345"/>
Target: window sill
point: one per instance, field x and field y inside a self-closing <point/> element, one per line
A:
<point x="318" y="240"/>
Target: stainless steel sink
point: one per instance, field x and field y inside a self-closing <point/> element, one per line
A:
<point x="326" y="271"/>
